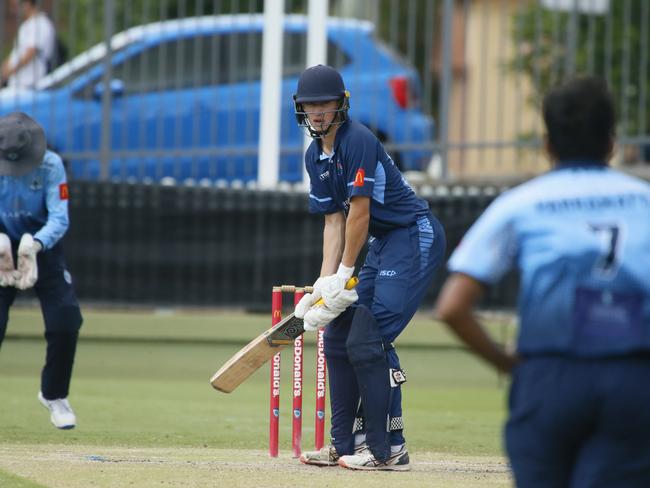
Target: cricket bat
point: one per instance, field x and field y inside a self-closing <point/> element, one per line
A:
<point x="261" y="349"/>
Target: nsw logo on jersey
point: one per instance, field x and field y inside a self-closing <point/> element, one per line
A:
<point x="359" y="177"/>
<point x="36" y="185"/>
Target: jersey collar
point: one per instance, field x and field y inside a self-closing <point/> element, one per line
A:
<point x="581" y="164"/>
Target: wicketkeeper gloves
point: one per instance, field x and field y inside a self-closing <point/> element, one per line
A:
<point x="27" y="268"/>
<point x="7" y="269"/>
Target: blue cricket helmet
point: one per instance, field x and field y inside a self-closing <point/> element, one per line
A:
<point x="320" y="83"/>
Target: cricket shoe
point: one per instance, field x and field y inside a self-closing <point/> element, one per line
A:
<point x="61" y="413"/>
<point x="327" y="456"/>
<point x="398" y="461"/>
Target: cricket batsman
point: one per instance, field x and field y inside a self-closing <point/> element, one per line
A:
<point x="363" y="197"/>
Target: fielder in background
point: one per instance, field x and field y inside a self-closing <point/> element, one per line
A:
<point x="580" y="238"/>
<point x="364" y="197"/>
<point x="33" y="219"/>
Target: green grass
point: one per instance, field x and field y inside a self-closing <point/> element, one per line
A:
<point x="8" y="480"/>
<point x="134" y="386"/>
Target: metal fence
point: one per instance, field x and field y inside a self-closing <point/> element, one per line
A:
<point x="177" y="93"/>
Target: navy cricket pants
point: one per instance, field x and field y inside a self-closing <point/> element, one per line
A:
<point x="398" y="270"/>
<point x="580" y="423"/>
<point x="62" y="318"/>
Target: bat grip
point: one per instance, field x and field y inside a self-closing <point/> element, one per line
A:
<point x="351" y="283"/>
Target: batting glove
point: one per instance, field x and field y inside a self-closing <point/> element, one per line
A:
<point x="335" y="296"/>
<point x="7" y="269"/>
<point x="318" y="317"/>
<point x="308" y="299"/>
<point x="27" y="268"/>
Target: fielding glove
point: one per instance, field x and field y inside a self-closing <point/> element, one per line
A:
<point x="27" y="268"/>
<point x="7" y="269"/>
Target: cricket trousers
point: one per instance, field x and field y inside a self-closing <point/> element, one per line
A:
<point x="580" y="422"/>
<point x="62" y="318"/>
<point x="397" y="271"/>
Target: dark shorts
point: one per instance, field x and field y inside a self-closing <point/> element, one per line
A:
<point x="580" y="423"/>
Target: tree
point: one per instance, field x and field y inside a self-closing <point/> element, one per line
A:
<point x="552" y="46"/>
<point x="80" y="23"/>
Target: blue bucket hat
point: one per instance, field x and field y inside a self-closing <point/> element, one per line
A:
<point x="22" y="144"/>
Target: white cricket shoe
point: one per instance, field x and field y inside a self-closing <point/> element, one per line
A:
<point x="327" y="456"/>
<point x="398" y="461"/>
<point x="61" y="413"/>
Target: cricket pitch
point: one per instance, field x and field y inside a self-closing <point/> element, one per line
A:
<point x="54" y="466"/>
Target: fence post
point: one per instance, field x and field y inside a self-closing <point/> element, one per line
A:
<point x="445" y="85"/>
<point x="107" y="96"/>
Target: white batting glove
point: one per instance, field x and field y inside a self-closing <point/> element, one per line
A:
<point x="7" y="269"/>
<point x="318" y="317"/>
<point x="308" y="300"/>
<point x="27" y="268"/>
<point x="335" y="296"/>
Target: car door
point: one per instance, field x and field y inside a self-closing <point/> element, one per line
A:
<point x="190" y="108"/>
<point x="185" y="104"/>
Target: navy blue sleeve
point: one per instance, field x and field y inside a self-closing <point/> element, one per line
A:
<point x="361" y="163"/>
<point x="321" y="200"/>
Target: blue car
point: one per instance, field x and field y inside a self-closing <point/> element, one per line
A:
<point x="185" y="100"/>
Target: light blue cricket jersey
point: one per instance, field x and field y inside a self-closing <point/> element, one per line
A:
<point x="580" y="237"/>
<point x="36" y="203"/>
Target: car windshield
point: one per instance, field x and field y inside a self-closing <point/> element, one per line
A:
<point x="77" y="67"/>
<point x="201" y="26"/>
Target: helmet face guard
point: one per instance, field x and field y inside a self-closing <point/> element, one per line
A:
<point x="302" y="117"/>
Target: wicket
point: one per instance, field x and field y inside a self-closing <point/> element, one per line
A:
<point x="297" y="369"/>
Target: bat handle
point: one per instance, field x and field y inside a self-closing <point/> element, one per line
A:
<point x="351" y="283"/>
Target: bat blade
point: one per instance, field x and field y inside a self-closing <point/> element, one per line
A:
<point x="256" y="353"/>
<point x="261" y="349"/>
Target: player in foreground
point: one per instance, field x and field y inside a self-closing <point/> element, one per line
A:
<point x="33" y="219"/>
<point x="580" y="239"/>
<point x="363" y="197"/>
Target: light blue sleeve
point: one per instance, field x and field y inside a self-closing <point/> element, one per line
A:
<point x="489" y="249"/>
<point x="56" y="201"/>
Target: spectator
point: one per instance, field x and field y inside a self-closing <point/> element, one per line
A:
<point x="33" y="219"/>
<point x="580" y="237"/>
<point x="34" y="46"/>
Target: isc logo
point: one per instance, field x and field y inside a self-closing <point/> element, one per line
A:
<point x="387" y="272"/>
